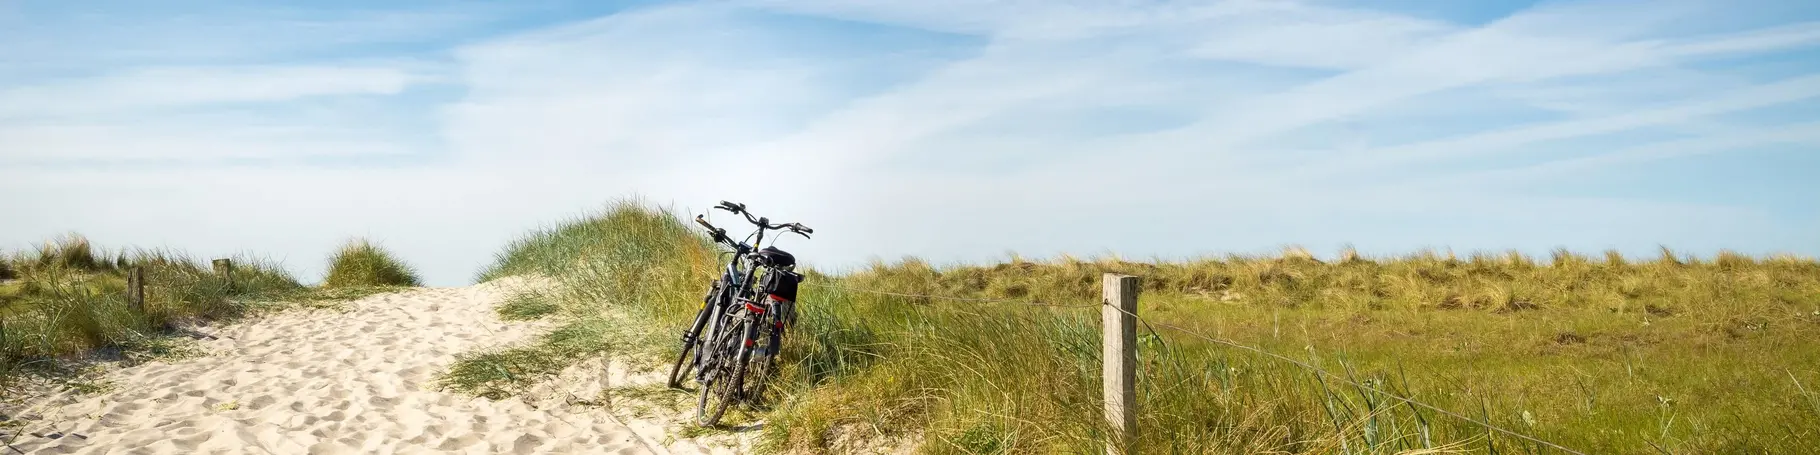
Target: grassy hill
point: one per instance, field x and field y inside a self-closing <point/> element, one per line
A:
<point x="1606" y="354"/>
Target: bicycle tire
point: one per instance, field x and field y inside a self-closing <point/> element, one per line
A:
<point x="763" y="367"/>
<point x="682" y="366"/>
<point x="727" y="386"/>
<point x="692" y="338"/>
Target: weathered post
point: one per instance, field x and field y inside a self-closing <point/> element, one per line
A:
<point x="135" y="289"/>
<point x="225" y="268"/>
<point x="1118" y="322"/>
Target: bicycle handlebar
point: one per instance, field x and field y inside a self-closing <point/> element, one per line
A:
<point x="797" y="228"/>
<point x="761" y="222"/>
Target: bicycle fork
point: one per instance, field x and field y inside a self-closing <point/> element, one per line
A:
<point x="693" y="333"/>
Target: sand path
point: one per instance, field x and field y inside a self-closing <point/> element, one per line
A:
<point x="359" y="380"/>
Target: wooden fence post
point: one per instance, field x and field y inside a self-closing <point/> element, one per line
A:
<point x="1118" y="323"/>
<point x="225" y="268"/>
<point x="135" y="289"/>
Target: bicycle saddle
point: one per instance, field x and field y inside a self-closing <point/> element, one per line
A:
<point x="776" y="257"/>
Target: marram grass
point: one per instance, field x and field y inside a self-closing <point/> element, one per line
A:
<point x="68" y="298"/>
<point x="360" y="263"/>
<point x="1606" y="354"/>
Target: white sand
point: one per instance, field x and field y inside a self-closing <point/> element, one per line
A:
<point x="345" y="382"/>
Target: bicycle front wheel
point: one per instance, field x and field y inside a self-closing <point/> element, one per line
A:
<point x="683" y="365"/>
<point x="691" y="340"/>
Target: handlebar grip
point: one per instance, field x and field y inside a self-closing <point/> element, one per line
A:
<point x="805" y="229"/>
<point x="716" y="233"/>
<point x="731" y="207"/>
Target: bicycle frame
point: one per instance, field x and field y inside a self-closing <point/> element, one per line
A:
<point x="740" y="273"/>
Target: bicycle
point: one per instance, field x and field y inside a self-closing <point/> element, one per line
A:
<point x="725" y="356"/>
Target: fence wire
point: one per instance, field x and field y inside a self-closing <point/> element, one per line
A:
<point x="955" y="299"/>
<point x="1260" y="351"/>
<point x="1346" y="380"/>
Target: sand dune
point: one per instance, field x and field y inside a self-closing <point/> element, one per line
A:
<point x="340" y="382"/>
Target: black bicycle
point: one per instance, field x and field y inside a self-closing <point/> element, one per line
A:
<point x="744" y="324"/>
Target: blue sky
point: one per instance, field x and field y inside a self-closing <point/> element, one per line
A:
<point x="955" y="130"/>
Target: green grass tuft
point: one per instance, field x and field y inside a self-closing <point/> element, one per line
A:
<point x="72" y="251"/>
<point x="526" y="306"/>
<point x="502" y="373"/>
<point x="360" y="263"/>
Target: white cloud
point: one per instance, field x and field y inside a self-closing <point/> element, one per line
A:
<point x="628" y="92"/>
<point x="186" y="142"/>
<point x="1300" y="35"/>
<point x="207" y="114"/>
<point x="1807" y="133"/>
<point x="84" y="38"/>
<point x="1804" y="34"/>
<point x="1511" y="140"/>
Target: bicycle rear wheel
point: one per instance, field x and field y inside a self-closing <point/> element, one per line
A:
<point x="725" y="370"/>
<point x="763" y="364"/>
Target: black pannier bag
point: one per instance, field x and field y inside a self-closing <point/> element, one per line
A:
<point x="782" y="284"/>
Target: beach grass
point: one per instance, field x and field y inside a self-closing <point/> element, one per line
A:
<point x="1600" y="354"/>
<point x="360" y="263"/>
<point x="65" y="303"/>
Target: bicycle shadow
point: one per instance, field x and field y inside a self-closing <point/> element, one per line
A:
<point x="747" y="428"/>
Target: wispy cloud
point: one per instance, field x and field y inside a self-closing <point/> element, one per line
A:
<point x="51" y="39"/>
<point x="1513" y="139"/>
<point x="1166" y="128"/>
<point x="205" y="114"/>
<point x="151" y="88"/>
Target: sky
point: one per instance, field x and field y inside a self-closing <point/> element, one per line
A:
<point x="953" y="130"/>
